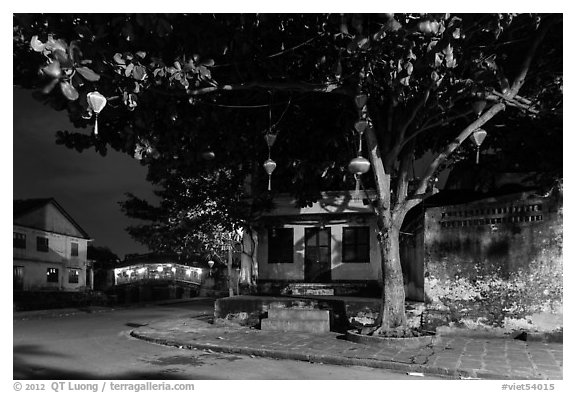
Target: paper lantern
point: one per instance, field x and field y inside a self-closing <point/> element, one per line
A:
<point x="478" y="137"/>
<point x="269" y="166"/>
<point x="359" y="165"/>
<point x="96" y="102"/>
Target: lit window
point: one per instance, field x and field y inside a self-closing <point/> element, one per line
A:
<point x="73" y="275"/>
<point x="52" y="274"/>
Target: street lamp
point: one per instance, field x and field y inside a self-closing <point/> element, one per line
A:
<point x="210" y="264"/>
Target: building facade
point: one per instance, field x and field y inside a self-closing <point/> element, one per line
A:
<point x="49" y="248"/>
<point x="329" y="248"/>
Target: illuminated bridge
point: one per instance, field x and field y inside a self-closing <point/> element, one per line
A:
<point x="156" y="272"/>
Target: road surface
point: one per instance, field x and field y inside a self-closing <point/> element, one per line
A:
<point x="98" y="346"/>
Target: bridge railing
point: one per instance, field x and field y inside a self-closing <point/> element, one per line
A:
<point x="158" y="271"/>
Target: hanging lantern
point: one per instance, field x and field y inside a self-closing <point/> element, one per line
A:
<point x="358" y="166"/>
<point x="360" y="100"/>
<point x="478" y="106"/>
<point x="478" y="137"/>
<point x="96" y="102"/>
<point x="269" y="166"/>
<point x="360" y="126"/>
<point x="270" y="139"/>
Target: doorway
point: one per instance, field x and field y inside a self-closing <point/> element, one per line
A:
<point x="317" y="255"/>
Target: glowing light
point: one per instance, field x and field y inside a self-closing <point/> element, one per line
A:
<point x="160" y="269"/>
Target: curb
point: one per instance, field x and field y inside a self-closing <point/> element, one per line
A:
<point x="330" y="359"/>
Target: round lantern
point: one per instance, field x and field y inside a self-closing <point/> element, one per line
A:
<point x="269" y="166"/>
<point x="359" y="165"/>
<point x="96" y="102"/>
<point x="360" y="126"/>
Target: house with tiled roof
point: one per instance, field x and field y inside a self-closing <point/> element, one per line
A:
<point x="49" y="249"/>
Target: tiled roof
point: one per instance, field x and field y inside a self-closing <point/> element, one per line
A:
<point x="23" y="206"/>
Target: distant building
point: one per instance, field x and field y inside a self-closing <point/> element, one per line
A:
<point x="50" y="248"/>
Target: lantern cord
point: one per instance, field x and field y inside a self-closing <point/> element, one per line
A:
<point x="356" y="195"/>
<point x="96" y="125"/>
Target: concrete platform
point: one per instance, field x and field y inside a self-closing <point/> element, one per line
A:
<point x="297" y="320"/>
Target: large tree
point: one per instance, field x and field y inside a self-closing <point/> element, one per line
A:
<point x="179" y="85"/>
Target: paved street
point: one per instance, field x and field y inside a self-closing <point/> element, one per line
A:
<point x="98" y="346"/>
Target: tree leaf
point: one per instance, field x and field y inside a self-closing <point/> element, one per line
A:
<point x="88" y="74"/>
<point x="36" y="44"/>
<point x="139" y="72"/>
<point x="53" y="69"/>
<point x="69" y="91"/>
<point x="129" y="69"/>
<point x="207" y="63"/>
<point x="118" y="59"/>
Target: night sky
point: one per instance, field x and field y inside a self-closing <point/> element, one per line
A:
<point x="87" y="185"/>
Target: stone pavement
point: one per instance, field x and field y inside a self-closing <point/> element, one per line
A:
<point x="453" y="356"/>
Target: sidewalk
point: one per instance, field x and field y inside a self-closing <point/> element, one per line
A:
<point x="453" y="357"/>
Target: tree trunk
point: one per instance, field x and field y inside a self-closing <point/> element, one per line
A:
<point x="392" y="309"/>
<point x="230" y="278"/>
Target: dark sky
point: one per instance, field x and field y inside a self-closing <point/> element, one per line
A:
<point x="87" y="185"/>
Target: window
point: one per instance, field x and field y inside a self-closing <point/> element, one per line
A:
<point x="52" y="274"/>
<point x="42" y="243"/>
<point x="18" y="278"/>
<point x="73" y="275"/>
<point x="356" y="244"/>
<point x="74" y="249"/>
<point x="281" y="245"/>
<point x="19" y="240"/>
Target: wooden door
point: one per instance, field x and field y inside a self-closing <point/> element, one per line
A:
<point x="317" y="255"/>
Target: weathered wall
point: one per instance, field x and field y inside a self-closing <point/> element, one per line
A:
<point x="495" y="263"/>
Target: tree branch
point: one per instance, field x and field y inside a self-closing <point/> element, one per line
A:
<point x="399" y="143"/>
<point x="292" y="86"/>
<point x="514" y="101"/>
<point x="521" y="77"/>
<point x="380" y="176"/>
<point x="412" y="116"/>
<point x="443" y="155"/>
<point x="402" y="185"/>
<point x="437" y="124"/>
